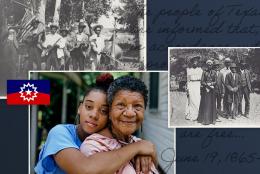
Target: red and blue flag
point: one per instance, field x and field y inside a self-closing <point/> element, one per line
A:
<point x="28" y="92"/>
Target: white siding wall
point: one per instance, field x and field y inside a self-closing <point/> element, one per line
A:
<point x="155" y="125"/>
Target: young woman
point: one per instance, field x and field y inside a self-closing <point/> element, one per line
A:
<point x="127" y="99"/>
<point x="194" y="74"/>
<point x="61" y="154"/>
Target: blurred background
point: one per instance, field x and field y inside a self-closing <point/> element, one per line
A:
<point x="67" y="90"/>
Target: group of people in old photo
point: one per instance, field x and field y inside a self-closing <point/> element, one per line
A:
<point x="214" y="91"/>
<point x="63" y="48"/>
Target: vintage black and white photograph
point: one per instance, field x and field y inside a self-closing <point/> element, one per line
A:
<point x="66" y="35"/>
<point x="214" y="87"/>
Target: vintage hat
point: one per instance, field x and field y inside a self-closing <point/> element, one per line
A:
<point x="243" y="64"/>
<point x="233" y="65"/>
<point x="195" y="58"/>
<point x="227" y="59"/>
<point x="216" y="62"/>
<point x="54" y="25"/>
<point x="97" y="26"/>
<point x="64" y="29"/>
<point x="209" y="62"/>
<point x="81" y="24"/>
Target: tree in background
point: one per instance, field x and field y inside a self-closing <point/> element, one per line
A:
<point x="90" y="10"/>
<point x="130" y="13"/>
<point x="56" y="15"/>
<point x="40" y="9"/>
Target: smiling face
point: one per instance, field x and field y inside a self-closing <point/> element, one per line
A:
<point x="126" y="112"/>
<point x="93" y="112"/>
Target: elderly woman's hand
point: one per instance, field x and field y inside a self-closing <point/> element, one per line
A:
<point x="143" y="164"/>
<point x="146" y="148"/>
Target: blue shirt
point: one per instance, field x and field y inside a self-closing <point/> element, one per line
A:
<point x="60" y="137"/>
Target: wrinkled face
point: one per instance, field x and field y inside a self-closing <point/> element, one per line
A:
<point x="93" y="112"/>
<point x="127" y="112"/>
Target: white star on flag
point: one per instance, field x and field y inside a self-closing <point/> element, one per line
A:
<point x="30" y="89"/>
<point x="28" y="92"/>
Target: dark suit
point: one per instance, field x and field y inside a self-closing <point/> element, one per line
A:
<point x="232" y="91"/>
<point x="245" y="90"/>
<point x="219" y="89"/>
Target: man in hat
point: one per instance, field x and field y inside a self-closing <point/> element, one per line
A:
<point x="219" y="87"/>
<point x="98" y="43"/>
<point x="82" y="40"/>
<point x="225" y="71"/>
<point x="62" y="51"/>
<point x="232" y="83"/>
<point x="245" y="89"/>
<point x="50" y="46"/>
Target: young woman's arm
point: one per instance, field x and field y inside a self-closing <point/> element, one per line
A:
<point x="73" y="161"/>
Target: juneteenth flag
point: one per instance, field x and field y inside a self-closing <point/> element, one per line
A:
<point x="28" y="92"/>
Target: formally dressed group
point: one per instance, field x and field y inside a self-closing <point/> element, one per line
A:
<point x="214" y="92"/>
<point x="54" y="47"/>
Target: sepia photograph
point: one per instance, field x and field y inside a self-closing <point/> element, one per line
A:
<point x="70" y="35"/>
<point x="214" y="87"/>
<point x="94" y="117"/>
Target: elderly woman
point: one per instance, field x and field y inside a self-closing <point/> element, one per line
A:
<point x="127" y="100"/>
<point x="207" y="109"/>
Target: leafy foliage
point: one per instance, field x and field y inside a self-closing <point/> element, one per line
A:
<point x="91" y="10"/>
<point x="180" y="58"/>
<point x="132" y="10"/>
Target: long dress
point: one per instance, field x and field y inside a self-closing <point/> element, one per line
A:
<point x="98" y="143"/>
<point x="193" y="87"/>
<point x="207" y="109"/>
